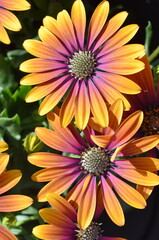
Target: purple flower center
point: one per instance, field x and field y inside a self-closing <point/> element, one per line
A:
<point x="92" y="232"/>
<point x="150" y="125"/>
<point x="95" y="160"/>
<point x="81" y="64"/>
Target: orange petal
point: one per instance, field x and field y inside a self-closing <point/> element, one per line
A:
<point x="3" y="146"/>
<point x="121" y="83"/>
<point x="62" y="205"/>
<point x="4" y="159"/>
<point x="142" y="163"/>
<point x="127" y="193"/>
<point x="58" y="186"/>
<point x="111" y="27"/>
<point x="82" y="106"/>
<point x="137" y="176"/>
<point x="123" y="67"/>
<point x="120" y="38"/>
<point x="127" y="129"/>
<point x="67" y="110"/>
<point x="53" y="98"/>
<point x="87" y="204"/>
<point x="145" y="191"/>
<point x="99" y="204"/>
<point x="39" y="49"/>
<point x="49" y="232"/>
<point x="67" y="28"/>
<point x="110" y="93"/>
<point x="101" y="140"/>
<point x="140" y="145"/>
<point x="98" y="20"/>
<point x="12" y="203"/>
<point x="4" y="35"/>
<point x="9" y="20"/>
<point x="52" y="41"/>
<point x="98" y="106"/>
<point x="5" y="234"/>
<point x="15" y="5"/>
<point x="54" y="217"/>
<point x="112" y="204"/>
<point x="79" y="22"/>
<point x="9" y="179"/>
<point x="115" y="114"/>
<point x="48" y="160"/>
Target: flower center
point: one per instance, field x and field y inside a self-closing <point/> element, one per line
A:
<point x="82" y="64"/>
<point x="95" y="160"/>
<point x="150" y="125"/>
<point x="92" y="232"/>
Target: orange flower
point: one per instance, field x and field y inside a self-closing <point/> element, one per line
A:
<point x="89" y="71"/>
<point x="103" y="159"/>
<point x="9" y="20"/>
<point x="8" y="179"/>
<point x="63" y="223"/>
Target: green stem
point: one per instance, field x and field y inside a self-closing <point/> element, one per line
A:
<point x="153" y="55"/>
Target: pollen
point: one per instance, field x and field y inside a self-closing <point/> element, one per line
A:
<point x="150" y="125"/>
<point x="92" y="232"/>
<point x="82" y="64"/>
<point x="95" y="160"/>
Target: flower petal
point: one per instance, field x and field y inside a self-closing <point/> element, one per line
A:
<point x="56" y="218"/>
<point x="127" y="193"/>
<point x="4" y="35"/>
<point x="110" y="28"/>
<point x="52" y="41"/>
<point x="97" y="21"/>
<point x="51" y="100"/>
<point x="98" y="106"/>
<point x="4" y="159"/>
<point x="15" y="5"/>
<point x="79" y="22"/>
<point x="12" y="203"/>
<point x="68" y="106"/>
<point x="140" y="145"/>
<point x="48" y="160"/>
<point x="101" y="140"/>
<point x="58" y="185"/>
<point x="87" y="204"/>
<point x="53" y="140"/>
<point x="115" y="114"/>
<point x="122" y="67"/>
<point x="9" y="179"/>
<point x="137" y="176"/>
<point x="3" y="146"/>
<point x="127" y="129"/>
<point x="62" y="205"/>
<point x="41" y="50"/>
<point x="120" y="38"/>
<point x="121" y="83"/>
<point x="112" y="204"/>
<point x="145" y="191"/>
<point x="9" y="20"/>
<point x="66" y="27"/>
<point x="49" y="232"/>
<point x="6" y="234"/>
<point x="82" y="106"/>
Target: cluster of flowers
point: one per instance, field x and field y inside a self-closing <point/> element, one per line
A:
<point x="105" y="121"/>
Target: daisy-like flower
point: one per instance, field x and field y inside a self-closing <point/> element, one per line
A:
<point x="86" y="71"/>
<point x="63" y="223"/>
<point x="14" y="202"/>
<point x="104" y="159"/>
<point x="8" y="19"/>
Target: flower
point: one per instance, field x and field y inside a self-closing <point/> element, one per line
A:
<point x="148" y="102"/>
<point x="105" y="158"/>
<point x="14" y="202"/>
<point x="63" y="223"/>
<point x="82" y="72"/>
<point x="8" y="19"/>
